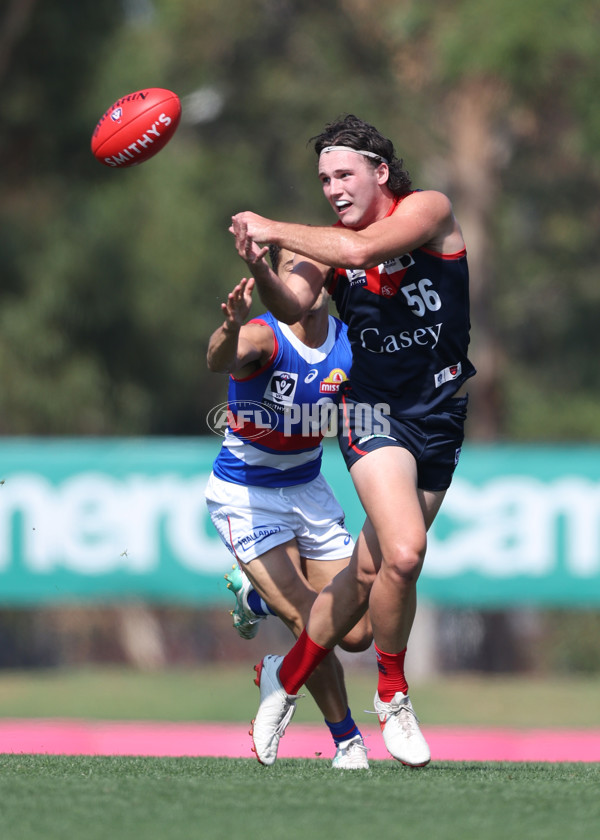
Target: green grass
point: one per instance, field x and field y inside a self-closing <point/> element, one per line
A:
<point x="93" y="798"/>
<point x="218" y="799"/>
<point x="222" y="693"/>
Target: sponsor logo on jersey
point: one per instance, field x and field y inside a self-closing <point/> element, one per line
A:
<point x="356" y="277"/>
<point x="312" y="374"/>
<point x="391" y="274"/>
<point x="398" y="264"/>
<point x="447" y="374"/>
<point x="332" y="382"/>
<point x="371" y="339"/>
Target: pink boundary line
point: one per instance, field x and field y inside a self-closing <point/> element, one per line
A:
<point x="85" y="737"/>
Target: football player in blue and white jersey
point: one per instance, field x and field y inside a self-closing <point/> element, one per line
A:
<point x="266" y="495"/>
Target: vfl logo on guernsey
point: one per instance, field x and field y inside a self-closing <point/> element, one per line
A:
<point x="331" y="384"/>
<point x="447" y="375"/>
<point x="281" y="389"/>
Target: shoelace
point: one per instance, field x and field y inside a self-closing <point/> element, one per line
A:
<point x="356" y="751"/>
<point x="280" y="728"/>
<point x="408" y="721"/>
<point x="356" y="747"/>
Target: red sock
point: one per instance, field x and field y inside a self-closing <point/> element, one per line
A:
<point x="391" y="674"/>
<point x="300" y="662"/>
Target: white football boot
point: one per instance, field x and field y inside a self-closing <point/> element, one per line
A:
<point x="401" y="734"/>
<point x="275" y="711"/>
<point x="351" y="755"/>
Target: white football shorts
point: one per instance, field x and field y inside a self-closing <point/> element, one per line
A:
<point x="252" y="520"/>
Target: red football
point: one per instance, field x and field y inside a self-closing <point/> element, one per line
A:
<point x="136" y="127"/>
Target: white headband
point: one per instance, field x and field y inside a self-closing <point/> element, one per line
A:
<point x="358" y="152"/>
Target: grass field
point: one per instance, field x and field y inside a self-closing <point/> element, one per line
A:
<point x="219" y="799"/>
<point x="58" y="797"/>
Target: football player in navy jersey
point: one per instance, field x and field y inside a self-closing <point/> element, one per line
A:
<point x="266" y="495"/>
<point x="401" y="285"/>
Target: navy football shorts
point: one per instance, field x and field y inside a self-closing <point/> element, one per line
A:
<point x="435" y="440"/>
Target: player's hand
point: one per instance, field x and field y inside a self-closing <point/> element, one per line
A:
<point x="249" y="229"/>
<point x="238" y="304"/>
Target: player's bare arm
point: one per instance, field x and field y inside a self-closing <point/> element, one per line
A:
<point x="234" y="347"/>
<point x="288" y="300"/>
<point x="422" y="218"/>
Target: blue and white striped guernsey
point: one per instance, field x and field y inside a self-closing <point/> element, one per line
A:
<point x="274" y="434"/>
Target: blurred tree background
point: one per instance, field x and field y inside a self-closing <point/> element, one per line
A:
<point x="112" y="279"/>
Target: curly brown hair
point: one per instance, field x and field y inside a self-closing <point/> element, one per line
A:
<point x="354" y="132"/>
<point x="275" y="256"/>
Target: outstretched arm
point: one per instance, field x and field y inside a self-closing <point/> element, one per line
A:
<point x="289" y="300"/>
<point x="421" y="218"/>
<point x="233" y="347"/>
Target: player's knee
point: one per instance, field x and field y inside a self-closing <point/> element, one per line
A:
<point x="404" y="564"/>
<point x="356" y="642"/>
<point x="360" y="637"/>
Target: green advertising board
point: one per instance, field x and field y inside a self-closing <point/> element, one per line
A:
<point x="125" y="519"/>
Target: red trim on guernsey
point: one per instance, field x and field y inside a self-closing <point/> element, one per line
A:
<point x="277" y="441"/>
<point x="376" y="282"/>
<point x="331" y="282"/>
<point x="456" y="256"/>
<point x="397" y="200"/>
<point x="269" y="361"/>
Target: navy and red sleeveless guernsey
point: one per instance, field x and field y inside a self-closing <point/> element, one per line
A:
<point x="274" y="433"/>
<point x="408" y="325"/>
